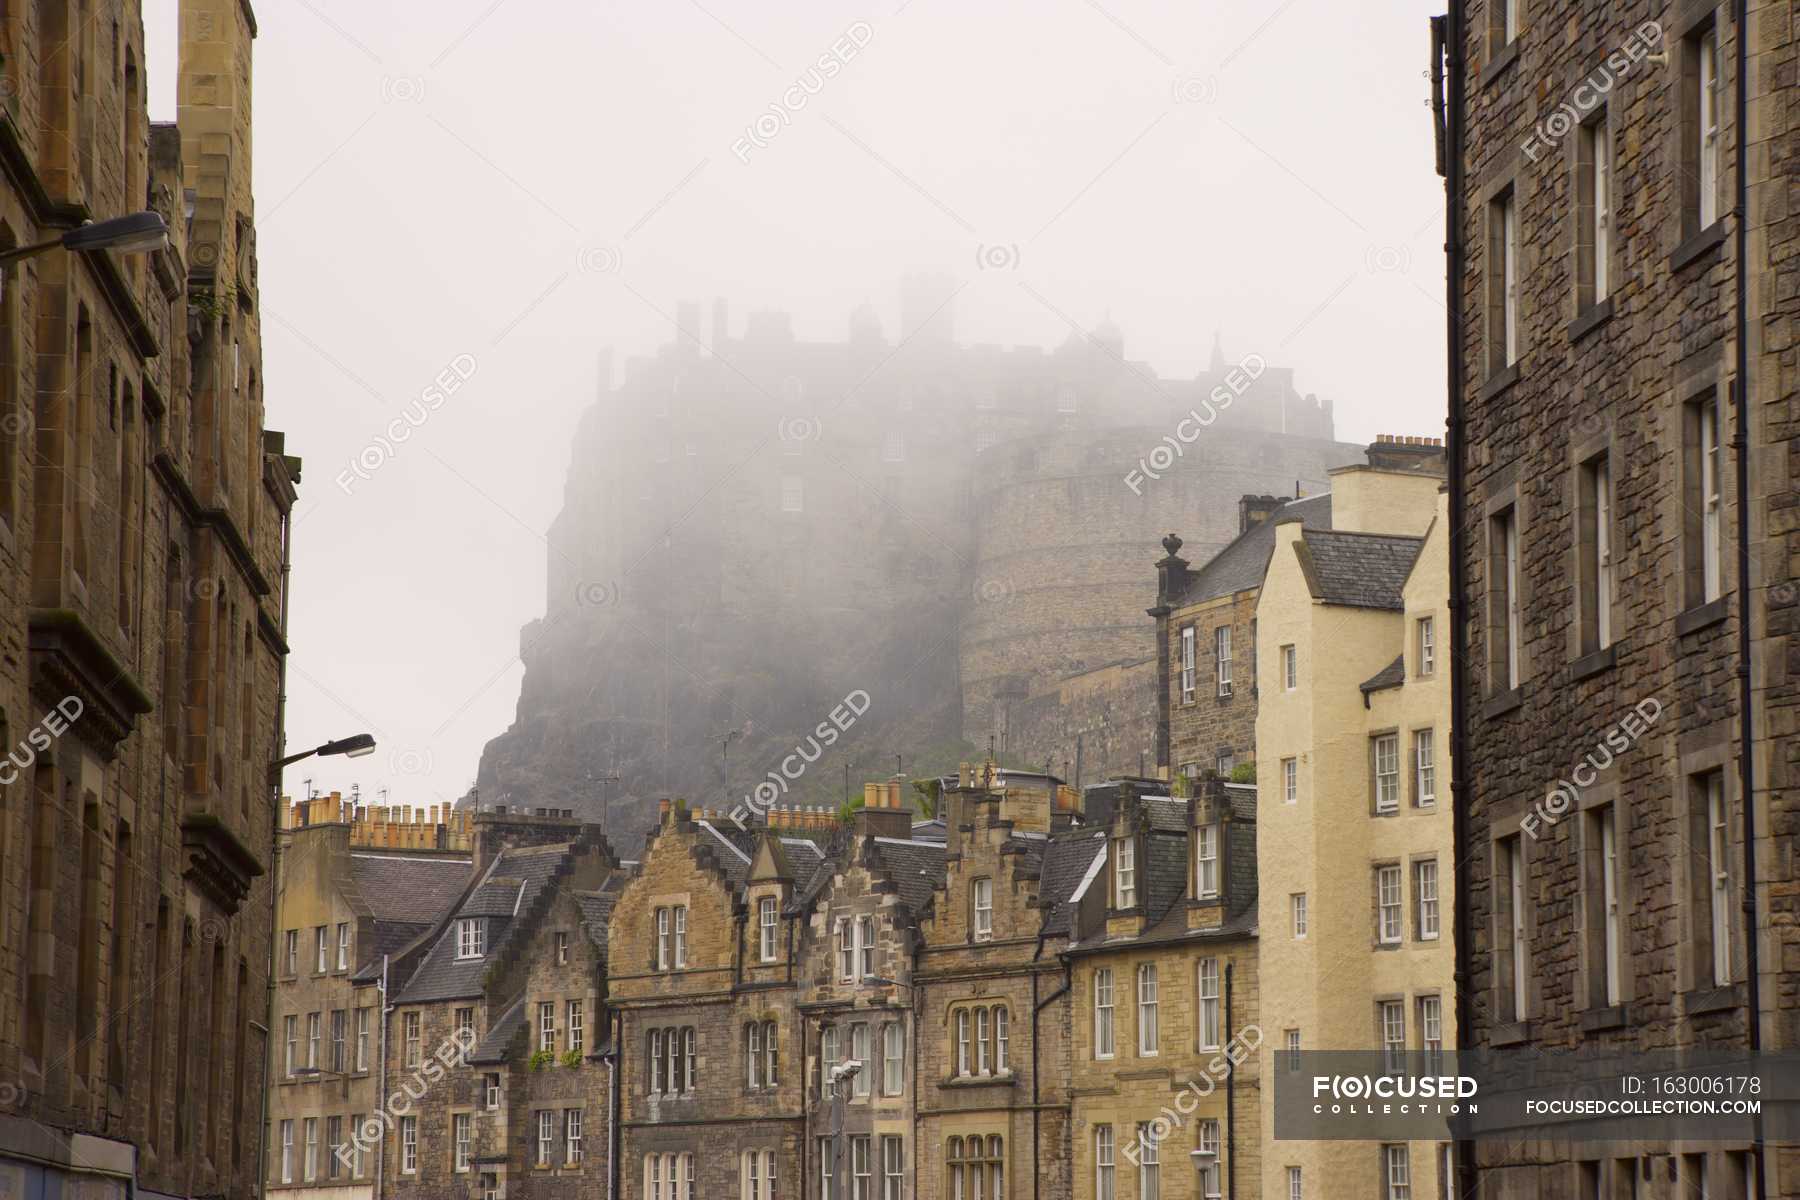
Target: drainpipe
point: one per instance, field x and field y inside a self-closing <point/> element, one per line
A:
<point x="1448" y="34"/>
<point x="1038" y="1006"/>
<point x="614" y="1102"/>
<point x="381" y="1096"/>
<point x="1230" y="1100"/>
<point x="1740" y="442"/>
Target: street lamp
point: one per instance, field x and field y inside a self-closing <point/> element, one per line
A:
<point x="128" y="234"/>
<point x="354" y="746"/>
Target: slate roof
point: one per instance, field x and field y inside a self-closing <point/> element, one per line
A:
<point x="733" y="849"/>
<point x="405" y="894"/>
<point x="1360" y="570"/>
<point x="596" y="907"/>
<point x="1241" y="563"/>
<point x="933" y="830"/>
<point x="1243" y="800"/>
<point x="1066" y="862"/>
<point x="492" y="1046"/>
<point x="510" y="886"/>
<point x="1167" y="814"/>
<point x="915" y="866"/>
<point x="1390" y="676"/>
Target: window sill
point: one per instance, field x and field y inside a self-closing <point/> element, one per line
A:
<point x="1503" y="58"/>
<point x="1595" y="1020"/>
<point x="1696" y="246"/>
<point x="1713" y="999"/>
<point x="1006" y="1079"/>
<point x="1515" y="1034"/>
<point x="1589" y="665"/>
<point x="1499" y="381"/>
<point x="1590" y="318"/>
<point x="1501" y="703"/>
<point x="1700" y="616"/>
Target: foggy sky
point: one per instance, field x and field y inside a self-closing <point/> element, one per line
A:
<point x="523" y="183"/>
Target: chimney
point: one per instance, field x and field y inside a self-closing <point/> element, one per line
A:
<point x="1171" y="585"/>
<point x="882" y="814"/>
<point x="1415" y="455"/>
<point x="1254" y="510"/>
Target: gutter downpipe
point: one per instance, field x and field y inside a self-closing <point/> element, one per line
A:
<point x="381" y="1098"/>
<point x="1038" y="1006"/>
<point x="615" y="1079"/>
<point x="1741" y="446"/>
<point x="1230" y="1098"/>
<point x="1448" y="36"/>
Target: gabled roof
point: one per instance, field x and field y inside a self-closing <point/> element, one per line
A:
<point x="1391" y="676"/>
<point x="492" y="1046"/>
<point x="405" y="895"/>
<point x="1070" y="861"/>
<point x="596" y="908"/>
<point x="1240" y="565"/>
<point x="1168" y="814"/>
<point x="934" y="830"/>
<point x="512" y="883"/>
<point x="1358" y="570"/>
<point x="915" y="866"/>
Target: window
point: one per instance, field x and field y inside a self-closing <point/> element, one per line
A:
<point x="362" y="1039"/>
<point x="1297" y="908"/>
<point x="829" y="1057"/>
<point x="1503" y="282"/>
<point x="1290" y="781"/>
<point x="1595" y="555"/>
<point x="771" y="1053"/>
<point x="1593" y="180"/>
<point x="1210" y="1171"/>
<point x="765" y="921"/>
<point x="576" y="1017"/>
<point x="343" y="953"/>
<point x="490" y="1186"/>
<point x="1513" y="958"/>
<point x="311" y="1125"/>
<point x="1223" y="763"/>
<point x="1703" y="142"/>
<point x="827" y="1152"/>
<point x="409" y="1145"/>
<point x="861" y="1051"/>
<point x="963" y="1021"/>
<point x="1209" y="1003"/>
<point x="334" y="1140"/>
<point x="1104" y="1168"/>
<point x="893" y="1168"/>
<point x="1222" y="655"/>
<point x="1290" y="668"/>
<point x="793" y="494"/>
<point x="572" y="1135"/>
<point x="893" y="1058"/>
<point x="1399" y="1175"/>
<point x="670" y="1065"/>
<point x="1387" y="772"/>
<point x="1387" y="904"/>
<point x="1124" y="873"/>
<point x="562" y="949"/>
<point x="1431" y="1030"/>
<point x="337" y="1041"/>
<point x="753" y="1055"/>
<point x="759" y="1175"/>
<point x="1425" y="899"/>
<point x="860" y="1179"/>
<point x="1146" y="985"/>
<point x="681" y="935"/>
<point x="1391" y="1015"/>
<point x="461" y="1133"/>
<point x="290" y="1032"/>
<point x="491" y="1084"/>
<point x="1703" y="502"/>
<point x="546" y="1136"/>
<point x="465" y="1023"/>
<point x="1149" y="1165"/>
<point x="291" y="951"/>
<point x="320" y="943"/>
<point x="1295" y="1191"/>
<point x="1711" y="884"/>
<point x="1000" y="1061"/>
<point x="1293" y="1049"/>
<point x="1424" y="767"/>
<point x="846" y="951"/>
<point x="1187" y="664"/>
<point x="1503" y="609"/>
<point x="664" y="946"/>
<point x="984" y="908"/>
<point x="1427" y="647"/>
<point x="547" y="1025"/>
<point x="1103" y="1013"/>
<point x="983" y="1043"/>
<point x="287" y="1152"/>
<point x="312" y="1040"/>
<point x="1206" y="863"/>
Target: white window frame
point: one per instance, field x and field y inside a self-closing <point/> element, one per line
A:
<point x="1189" y="659"/>
<point x="768" y="912"/>
<point x="547" y="1025"/>
<point x="1425" y="896"/>
<point x="409" y="1145"/>
<point x="471" y="937"/>
<point x="893" y="1167"/>
<point x="1513" y="848"/>
<point x="321" y="939"/>
<point x="964" y="1063"/>
<point x="1148" y="1002"/>
<point x="1599" y="135"/>
<point x="1290" y="668"/>
<point x="1387" y="773"/>
<point x="1708" y="128"/>
<point x="1424" y="767"/>
<point x="1427" y="646"/>
<point x="1719" y="863"/>
<point x="846" y="951"/>
<point x="1390" y="904"/>
<point x="1509" y="533"/>
<point x="575" y="1017"/>
<point x="1295" y="1189"/>
<point x="983" y="903"/>
<point x="862" y="1049"/>
<point x="1149" y="1165"/>
<point x="1711" y="500"/>
<point x="492" y="1086"/>
<point x="1206" y="863"/>
<point x="680" y="936"/>
<point x="1393" y="1035"/>
<point x="546" y="1136"/>
<point x="1105" y="1168"/>
<point x="462" y="1136"/>
<point x="1207" y="988"/>
<point x="1290" y="781"/>
<point x="287" y="1150"/>
<point x="343" y="953"/>
<point x="1297" y="912"/>
<point x="1211" y="1171"/>
<point x="1431" y="1024"/>
<point x="1124" y="872"/>
<point x="664" y="957"/>
<point x="1104" y="1028"/>
<point x="1222" y="658"/>
<point x="865" y="946"/>
<point x="310" y="1154"/>
<point x="1603" y="552"/>
<point x="1509" y="254"/>
<point x="572" y="1152"/>
<point x="362" y="1039"/>
<point x="1397" y="1172"/>
<point x="893" y="1058"/>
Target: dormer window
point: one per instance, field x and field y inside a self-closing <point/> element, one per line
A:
<point x="982" y="895"/>
<point x="1124" y="873"/>
<point x="1206" y="863"/>
<point x="471" y="937"/>
<point x="766" y="910"/>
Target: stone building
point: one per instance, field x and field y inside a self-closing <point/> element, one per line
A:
<point x="350" y="902"/>
<point x="1354" y="835"/>
<point x="496" y="1067"/>
<point x="1165" y="1081"/>
<point x="144" y="522"/>
<point x="989" y="572"/>
<point x="1623" y="415"/>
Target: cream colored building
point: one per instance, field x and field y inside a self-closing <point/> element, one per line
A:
<point x="1354" y="830"/>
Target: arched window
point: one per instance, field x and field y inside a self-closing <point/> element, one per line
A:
<point x="953" y="1152"/>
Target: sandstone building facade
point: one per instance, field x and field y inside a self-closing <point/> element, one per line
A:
<point x="144" y="521"/>
<point x="1622" y="419"/>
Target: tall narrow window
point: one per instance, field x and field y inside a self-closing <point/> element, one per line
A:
<point x="1103" y="1013"/>
<point x="1387" y="904"/>
<point x="1206" y="863"/>
<point x="1594" y="183"/>
<point x="846" y="950"/>
<point x="577" y="1035"/>
<point x="1147" y="1004"/>
<point x="343" y="949"/>
<point x="1387" y="773"/>
<point x="766" y="916"/>
<point x="862" y="1051"/>
<point x="1209" y="1003"/>
<point x="664" y="957"/>
<point x="1149" y="1164"/>
<point x="1125" y="872"/>
<point x="1187" y="663"/>
<point x="1718" y="854"/>
<point x="962" y="1042"/>
<point x="546" y="1136"/>
<point x="984" y="909"/>
<point x="1601" y="891"/>
<point x="893" y="1058"/>
<point x="287" y="1151"/>
<point x="1707" y="128"/>
<point x="1398" y="1171"/>
<point x="1104" y="1187"/>
<point x="311" y="1125"/>
<point x="1431" y="1030"/>
<point x="1297" y="909"/>
<point x="1392" y="1016"/>
<point x="409" y="1145"/>
<point x="1290" y="668"/>
<point x="1513" y="958"/>
<point x="547" y="1025"/>
<point x="865" y="944"/>
<point x="1503" y="599"/>
<point x="1502" y="283"/>
<point x="572" y="1136"/>
<point x="1211" y="1171"/>
<point x="681" y="935"/>
<point x="1596" y="555"/>
<point x="893" y="1167"/>
<point x="1424" y="768"/>
<point x="461" y="1140"/>
<point x="1427" y="647"/>
<point x="1222" y="655"/>
<point x="1711" y="510"/>
<point x="1290" y="781"/>
<point x="982" y="1061"/>
<point x="1425" y="899"/>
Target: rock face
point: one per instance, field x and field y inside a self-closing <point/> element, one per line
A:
<point x="933" y="541"/>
